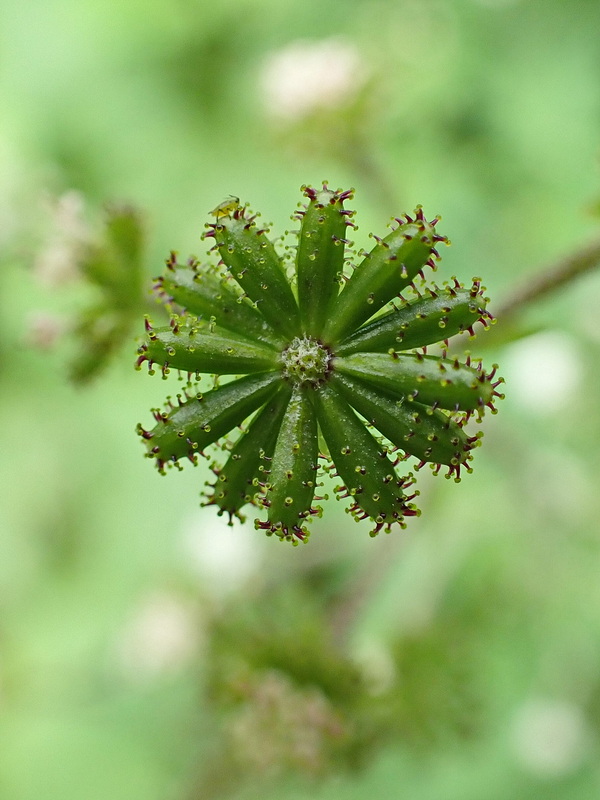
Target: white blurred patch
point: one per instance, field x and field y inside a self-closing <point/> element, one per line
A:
<point x="308" y="76"/>
<point x="377" y="666"/>
<point x="550" y="738"/>
<point x="160" y="638"/>
<point x="543" y="372"/>
<point x="58" y="259"/>
<point x="224" y="556"/>
<point x="43" y="329"/>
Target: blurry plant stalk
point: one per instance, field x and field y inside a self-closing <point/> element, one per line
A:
<point x="330" y="356"/>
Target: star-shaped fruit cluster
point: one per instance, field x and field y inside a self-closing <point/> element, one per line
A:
<point x="325" y="353"/>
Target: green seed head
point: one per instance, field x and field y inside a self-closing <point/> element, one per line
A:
<point x="334" y="359"/>
<point x="306" y="361"/>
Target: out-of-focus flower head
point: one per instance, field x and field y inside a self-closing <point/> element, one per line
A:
<point x="306" y="76"/>
<point x="59" y="258"/>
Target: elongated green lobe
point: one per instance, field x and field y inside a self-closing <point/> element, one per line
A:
<point x="291" y="482"/>
<point x="390" y="267"/>
<point x="246" y="468"/>
<point x="444" y="313"/>
<point x="320" y="256"/>
<point x="199" y="421"/>
<point x="415" y="428"/>
<point x="435" y="381"/>
<point x="253" y="262"/>
<point x="363" y="466"/>
<point x="202" y="348"/>
<point x="204" y="294"/>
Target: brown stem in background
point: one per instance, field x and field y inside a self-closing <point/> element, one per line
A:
<point x="548" y="280"/>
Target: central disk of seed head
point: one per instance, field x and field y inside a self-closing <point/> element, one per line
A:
<point x="305" y="360"/>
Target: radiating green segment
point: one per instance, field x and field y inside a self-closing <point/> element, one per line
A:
<point x="207" y="296"/>
<point x="415" y="428"/>
<point x="430" y="380"/>
<point x="320" y="258"/>
<point x="251" y="258"/>
<point x="418" y="324"/>
<point x="238" y="480"/>
<point x="197" y="348"/>
<point x="390" y="266"/>
<point x="202" y="420"/>
<point x="362" y="465"/>
<point x="294" y="467"/>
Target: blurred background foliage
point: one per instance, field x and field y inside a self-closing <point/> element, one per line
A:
<point x="146" y="649"/>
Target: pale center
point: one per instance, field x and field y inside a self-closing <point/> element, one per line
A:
<point x="305" y="360"/>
